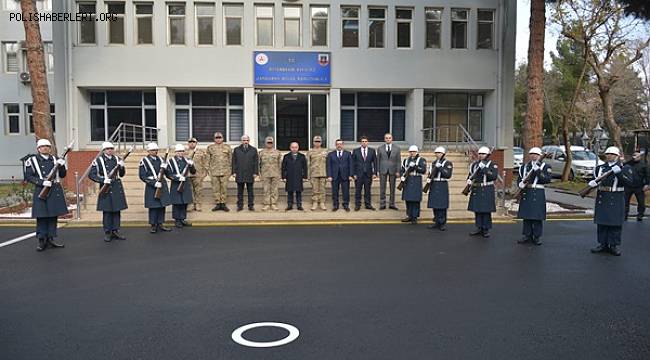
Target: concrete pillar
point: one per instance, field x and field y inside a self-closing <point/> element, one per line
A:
<point x="334" y="124"/>
<point x="415" y="117"/>
<point x="250" y="115"/>
<point x="163" y="109"/>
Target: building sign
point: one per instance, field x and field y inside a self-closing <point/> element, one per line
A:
<point x="283" y="68"/>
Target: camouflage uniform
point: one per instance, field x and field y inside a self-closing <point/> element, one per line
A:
<point x="201" y="165"/>
<point x="317" y="159"/>
<point x="219" y="168"/>
<point x="270" y="164"/>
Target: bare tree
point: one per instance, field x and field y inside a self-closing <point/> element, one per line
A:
<point x="644" y="64"/>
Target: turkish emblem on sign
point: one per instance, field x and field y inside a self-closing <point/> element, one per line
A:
<point x="323" y="59"/>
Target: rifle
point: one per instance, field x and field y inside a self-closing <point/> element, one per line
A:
<point x="529" y="177"/>
<point x="586" y="190"/>
<point x="181" y="185"/>
<point x="401" y="184"/>
<point x="113" y="174"/>
<point x="434" y="173"/>
<point x="45" y="192"/>
<point x="468" y="187"/>
<point x="161" y="177"/>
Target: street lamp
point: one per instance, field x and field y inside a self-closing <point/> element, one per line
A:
<point x="585" y="139"/>
<point x="600" y="140"/>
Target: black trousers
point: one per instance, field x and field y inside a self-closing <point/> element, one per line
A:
<point x="111" y="221"/>
<point x="249" y="192"/>
<point x="179" y="212"/>
<point x="156" y="216"/>
<point x="440" y="216"/>
<point x="362" y="183"/>
<point x="46" y="227"/>
<point x="609" y="235"/>
<point x="533" y="228"/>
<point x="483" y="221"/>
<point x="639" y="194"/>
<point x="290" y="196"/>
<point x="413" y="209"/>
<point x="345" y="185"/>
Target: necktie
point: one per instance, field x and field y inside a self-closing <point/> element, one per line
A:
<point x="364" y="154"/>
<point x="388" y="150"/>
<point x="339" y="154"/>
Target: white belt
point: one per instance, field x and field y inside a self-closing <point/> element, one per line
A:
<point x="486" y="184"/>
<point x="531" y="186"/>
<point x="151" y="178"/>
<point x="611" y="189"/>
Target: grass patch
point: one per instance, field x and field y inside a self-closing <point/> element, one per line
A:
<point x="573" y="186"/>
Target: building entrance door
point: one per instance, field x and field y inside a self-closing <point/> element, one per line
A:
<point x="292" y="112"/>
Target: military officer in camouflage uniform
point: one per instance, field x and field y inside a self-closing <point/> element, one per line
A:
<point x="532" y="207"/>
<point x="270" y="165"/>
<point x="112" y="202"/>
<point x="219" y="168"/>
<point x="609" y="213"/>
<point x="199" y="156"/>
<point x="482" y="200"/>
<point x="317" y="158"/>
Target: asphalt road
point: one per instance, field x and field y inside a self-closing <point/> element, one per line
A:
<point x="354" y="292"/>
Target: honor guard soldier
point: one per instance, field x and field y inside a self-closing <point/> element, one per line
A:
<point x="180" y="192"/>
<point x="317" y="159"/>
<point x="199" y="157"/>
<point x="112" y="201"/>
<point x="219" y="168"/>
<point x="439" y="174"/>
<point x="532" y="206"/>
<point x="151" y="166"/>
<point x="482" y="174"/>
<point x="609" y="212"/>
<point x="46" y="211"/>
<point x="270" y="167"/>
<point x="411" y="175"/>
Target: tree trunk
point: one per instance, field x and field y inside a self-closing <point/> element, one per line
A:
<point x="566" y="171"/>
<point x="38" y="74"/>
<point x="532" y="131"/>
<point x="608" y="115"/>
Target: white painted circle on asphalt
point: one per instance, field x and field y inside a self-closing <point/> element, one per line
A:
<point x="239" y="339"/>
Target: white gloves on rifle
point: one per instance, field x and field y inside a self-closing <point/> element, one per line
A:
<point x="107" y="181"/>
<point x="522" y="185"/>
<point x="593" y="183"/>
<point x="469" y="182"/>
<point x="60" y="162"/>
<point x="158" y="184"/>
<point x="181" y="178"/>
<point x="163" y="165"/>
<point x="190" y="162"/>
<point x="120" y="163"/>
<point x="402" y="178"/>
<point x="616" y="169"/>
<point x="438" y="165"/>
<point x="412" y="164"/>
<point x="428" y="181"/>
<point x="481" y="165"/>
<point x="535" y="167"/>
<point x="47" y="183"/>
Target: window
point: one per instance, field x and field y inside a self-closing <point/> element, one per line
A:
<point x="233" y="19"/>
<point x="12" y="119"/>
<point x="10" y="57"/>
<point x="485" y="29"/>
<point x="459" y="28"/>
<point x="264" y="25"/>
<point x="11" y="5"/>
<point x="404" y="17"/>
<point x="444" y="112"/>
<point x="87" y="26"/>
<point x="200" y="114"/>
<point x="319" y="24"/>
<point x="433" y="18"/>
<point x="350" y="26"/>
<point x="376" y="27"/>
<point x="373" y="115"/>
<point x="43" y="5"/>
<point x="30" y="119"/>
<point x="176" y="24"/>
<point x="292" y="26"/>
<point x="48" y="47"/>
<point x="144" y="23"/>
<point x="116" y="26"/>
<point x="205" y="13"/>
<point x="108" y="109"/>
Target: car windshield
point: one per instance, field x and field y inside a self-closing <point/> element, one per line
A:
<point x="583" y="155"/>
<point x="518" y="151"/>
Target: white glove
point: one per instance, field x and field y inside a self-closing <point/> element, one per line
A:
<point x="412" y="164"/>
<point x="61" y="162"/>
<point x="481" y="165"/>
<point x="158" y="184"/>
<point x="181" y="178"/>
<point x="47" y="183"/>
<point x="107" y="181"/>
<point x="521" y="185"/>
<point x="616" y="169"/>
<point x="428" y="181"/>
<point x="535" y="167"/>
<point x="438" y="165"/>
<point x="593" y="183"/>
<point x="120" y="163"/>
<point x="402" y="178"/>
<point x="190" y="162"/>
<point x="163" y="166"/>
<point x="469" y="182"/>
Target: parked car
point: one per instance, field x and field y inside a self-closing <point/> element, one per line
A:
<point x="518" y="157"/>
<point x="582" y="164"/>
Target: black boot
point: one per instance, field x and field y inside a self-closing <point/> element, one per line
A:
<point x="537" y="241"/>
<point x="118" y="236"/>
<point x="486" y="234"/>
<point x="476" y="232"/>
<point x="108" y="236"/>
<point x="50" y="241"/>
<point x="614" y="250"/>
<point x="433" y="226"/>
<point x="442" y="227"/>
<point x="406" y="219"/>
<point x="224" y="207"/>
<point x="216" y="207"/>
<point x="186" y="223"/>
<point x="523" y="240"/>
<point x="414" y="221"/>
<point x="41" y="244"/>
<point x="178" y="224"/>
<point x="154" y="229"/>
<point x="600" y="249"/>
<point x="162" y="227"/>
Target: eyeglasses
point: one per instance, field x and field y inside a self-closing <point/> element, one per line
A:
<point x="192" y="142"/>
<point x="218" y="137"/>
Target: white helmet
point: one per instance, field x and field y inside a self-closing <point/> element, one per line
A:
<point x="535" y="150"/>
<point x="43" y="142"/>
<point x="413" y="148"/>
<point x="179" y="147"/>
<point x="107" y="145"/>
<point x="613" y="150"/>
<point x="440" y="149"/>
<point x="484" y="150"/>
<point x="152" y="146"/>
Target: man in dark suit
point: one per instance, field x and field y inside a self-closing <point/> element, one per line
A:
<point x="245" y="168"/>
<point x="388" y="166"/>
<point x="364" y="165"/>
<point x="339" y="170"/>
<point x="294" y="172"/>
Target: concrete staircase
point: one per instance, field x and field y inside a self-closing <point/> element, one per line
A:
<point x="138" y="213"/>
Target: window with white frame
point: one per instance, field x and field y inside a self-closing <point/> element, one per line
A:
<point x="200" y="114"/>
<point x="292" y="20"/>
<point x="44" y="5"/>
<point x="30" y="118"/>
<point x="12" y="119"/>
<point x="233" y="23"/>
<point x="376" y="27"/>
<point x="87" y="28"/>
<point x="176" y="23"/>
<point x="11" y="5"/>
<point x="108" y="109"/>
<point x="444" y="112"/>
<point x="41" y="5"/>
<point x="144" y="23"/>
<point x="10" y="57"/>
<point x="404" y="18"/>
<point x="373" y="114"/>
<point x="264" y="25"/>
<point x="205" y="14"/>
<point x="459" y="19"/>
<point x="116" y="25"/>
<point x="319" y="25"/>
<point x="485" y="37"/>
<point x="433" y="18"/>
<point x="48" y="48"/>
<point x="350" y="26"/>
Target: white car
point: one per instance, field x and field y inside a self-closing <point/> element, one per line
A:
<point x="582" y="164"/>
<point x="518" y="154"/>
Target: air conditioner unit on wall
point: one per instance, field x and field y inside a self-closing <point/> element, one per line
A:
<point x="25" y="77"/>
